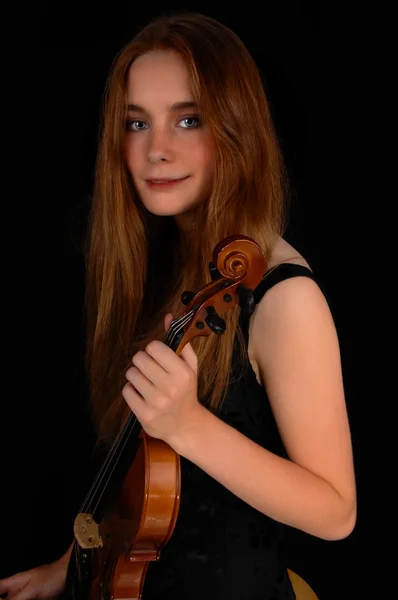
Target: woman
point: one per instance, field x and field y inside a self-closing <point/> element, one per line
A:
<point x="189" y="156"/>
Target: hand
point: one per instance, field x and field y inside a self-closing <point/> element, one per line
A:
<point x="41" y="583"/>
<point x="162" y="388"/>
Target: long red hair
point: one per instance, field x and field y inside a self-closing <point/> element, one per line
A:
<point x="137" y="265"/>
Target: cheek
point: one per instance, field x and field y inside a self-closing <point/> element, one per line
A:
<point x="132" y="155"/>
<point x="204" y="156"/>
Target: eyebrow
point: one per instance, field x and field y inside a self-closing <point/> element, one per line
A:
<point x="175" y="107"/>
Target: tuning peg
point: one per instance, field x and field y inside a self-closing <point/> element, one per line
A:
<point x="246" y="299"/>
<point x="214" y="272"/>
<point x="186" y="297"/>
<point x="214" y="321"/>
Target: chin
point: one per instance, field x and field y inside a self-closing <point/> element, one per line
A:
<point x="167" y="207"/>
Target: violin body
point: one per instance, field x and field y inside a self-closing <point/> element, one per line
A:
<point x="134" y="534"/>
<point x="118" y="534"/>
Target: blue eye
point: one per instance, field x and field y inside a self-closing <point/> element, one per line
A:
<point x="189" y="124"/>
<point x="132" y="125"/>
<point x="139" y="125"/>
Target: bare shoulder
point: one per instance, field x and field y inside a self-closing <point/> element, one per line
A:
<point x="281" y="300"/>
<point x="299" y="296"/>
<point x="284" y="252"/>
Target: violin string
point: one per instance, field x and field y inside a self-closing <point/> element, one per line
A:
<point x="124" y="432"/>
<point x="177" y="325"/>
<point x="112" y="466"/>
<point x="119" y="444"/>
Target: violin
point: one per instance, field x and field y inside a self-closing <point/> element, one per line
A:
<point x="131" y="509"/>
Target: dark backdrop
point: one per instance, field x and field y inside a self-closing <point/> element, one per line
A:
<point x="308" y="92"/>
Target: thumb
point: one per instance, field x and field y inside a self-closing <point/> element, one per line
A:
<point x="167" y="321"/>
<point x="188" y="354"/>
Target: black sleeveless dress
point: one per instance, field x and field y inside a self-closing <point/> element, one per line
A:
<point x="222" y="548"/>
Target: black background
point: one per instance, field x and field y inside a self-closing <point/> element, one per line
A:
<point x="312" y="80"/>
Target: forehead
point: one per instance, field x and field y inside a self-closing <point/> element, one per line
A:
<point x="156" y="75"/>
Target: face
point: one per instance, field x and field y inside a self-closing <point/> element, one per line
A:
<point x="168" y="149"/>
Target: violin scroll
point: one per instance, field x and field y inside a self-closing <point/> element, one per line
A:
<point x="239" y="256"/>
<point x="236" y="269"/>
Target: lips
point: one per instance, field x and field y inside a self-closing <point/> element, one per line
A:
<point x="165" y="179"/>
<point x="165" y="183"/>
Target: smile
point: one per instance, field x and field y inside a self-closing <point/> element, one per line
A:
<point x="164" y="183"/>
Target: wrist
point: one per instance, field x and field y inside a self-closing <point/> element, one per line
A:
<point x="183" y="440"/>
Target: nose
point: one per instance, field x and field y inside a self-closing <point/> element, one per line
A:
<point x="160" y="146"/>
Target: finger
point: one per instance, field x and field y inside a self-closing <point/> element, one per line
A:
<point x="167" y="321"/>
<point x="3" y="585"/>
<point x="165" y="357"/>
<point x="140" y="383"/>
<point x="135" y="401"/>
<point x="24" y="594"/>
<point x="14" y="583"/>
<point x="149" y="367"/>
<point x="190" y="357"/>
<point x="188" y="354"/>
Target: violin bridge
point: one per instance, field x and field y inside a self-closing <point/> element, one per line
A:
<point x="86" y="531"/>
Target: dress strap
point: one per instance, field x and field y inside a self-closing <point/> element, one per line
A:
<point x="280" y="273"/>
<point x="270" y="278"/>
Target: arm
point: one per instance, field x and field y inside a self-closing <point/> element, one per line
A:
<point x="45" y="582"/>
<point x="295" y="345"/>
<point x="66" y="557"/>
